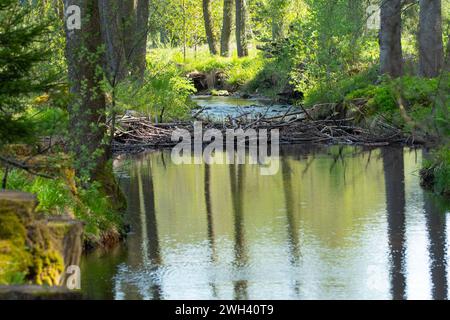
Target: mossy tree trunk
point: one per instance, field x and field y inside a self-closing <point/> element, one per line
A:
<point x="87" y="118"/>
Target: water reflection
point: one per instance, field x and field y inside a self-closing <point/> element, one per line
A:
<point x="436" y="226"/>
<point x="237" y="181"/>
<point x="333" y="223"/>
<point x="394" y="177"/>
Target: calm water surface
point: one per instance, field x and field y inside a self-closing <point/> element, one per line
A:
<point x="334" y="223"/>
<point x="220" y="108"/>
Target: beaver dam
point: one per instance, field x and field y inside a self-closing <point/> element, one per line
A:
<point x="324" y="124"/>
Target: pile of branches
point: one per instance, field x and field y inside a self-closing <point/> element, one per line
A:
<point x="135" y="134"/>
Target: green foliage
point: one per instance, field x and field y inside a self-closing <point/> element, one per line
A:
<point x="22" y="50"/>
<point x="438" y="168"/>
<point x="336" y="91"/>
<point x="53" y="195"/>
<point x="417" y="94"/>
<point x="164" y="92"/>
<point x="89" y="204"/>
<point x="272" y="77"/>
<point x="171" y="22"/>
<point x="239" y="72"/>
<point x="96" y="211"/>
<point x="48" y="121"/>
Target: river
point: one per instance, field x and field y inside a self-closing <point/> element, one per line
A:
<point x="333" y="223"/>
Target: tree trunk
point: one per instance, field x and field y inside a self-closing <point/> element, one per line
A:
<point x="431" y="48"/>
<point x="128" y="22"/>
<point x="391" y="60"/>
<point x="226" y="28"/>
<point x="241" y="28"/>
<point x="115" y="60"/>
<point x="209" y="27"/>
<point x="139" y="62"/>
<point x="134" y="22"/>
<point x="87" y="108"/>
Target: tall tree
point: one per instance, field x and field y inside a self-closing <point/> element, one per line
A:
<point x="127" y="23"/>
<point x="241" y="28"/>
<point x="391" y="59"/>
<point x="209" y="27"/>
<point x="87" y="108"/>
<point x="226" y="28"/>
<point x="134" y="25"/>
<point x="115" y="57"/>
<point x="431" y="48"/>
<point x="139" y="62"/>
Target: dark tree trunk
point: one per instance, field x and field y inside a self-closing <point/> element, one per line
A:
<point x="209" y="27"/>
<point x="128" y="22"/>
<point x="431" y="48"/>
<point x="115" y="57"/>
<point x="139" y="63"/>
<point x="226" y="28"/>
<point x="241" y="28"/>
<point x="87" y="108"/>
<point x="134" y="22"/>
<point x="391" y="60"/>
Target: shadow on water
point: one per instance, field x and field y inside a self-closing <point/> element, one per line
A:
<point x="310" y="231"/>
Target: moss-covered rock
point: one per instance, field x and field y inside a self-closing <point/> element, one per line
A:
<point x="15" y="211"/>
<point x="35" y="249"/>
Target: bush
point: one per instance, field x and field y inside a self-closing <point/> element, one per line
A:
<point x="436" y="172"/>
<point x="418" y="96"/>
<point x="336" y="91"/>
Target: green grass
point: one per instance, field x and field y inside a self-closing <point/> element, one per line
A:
<point x="239" y="71"/>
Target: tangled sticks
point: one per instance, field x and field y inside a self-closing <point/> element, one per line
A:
<point x="136" y="134"/>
